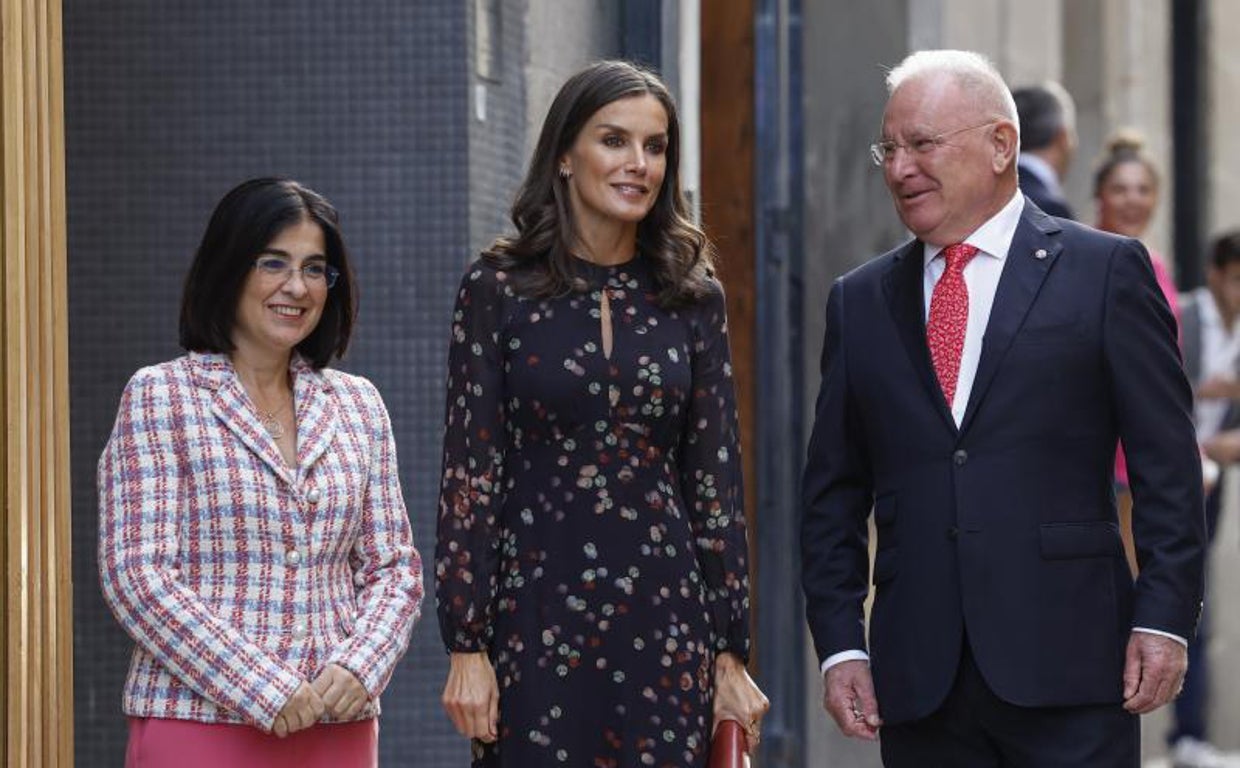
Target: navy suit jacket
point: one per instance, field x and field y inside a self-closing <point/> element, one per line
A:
<point x="1003" y="532"/>
<point x="1050" y="201"/>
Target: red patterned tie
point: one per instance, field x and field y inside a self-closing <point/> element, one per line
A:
<point x="949" y="316"/>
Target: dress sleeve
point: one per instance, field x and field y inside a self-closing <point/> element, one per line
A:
<point x="710" y="477"/>
<point x="140" y="501"/>
<point x="471" y="496"/>
<point x="387" y="570"/>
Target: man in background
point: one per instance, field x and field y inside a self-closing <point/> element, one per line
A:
<point x="1047" y="143"/>
<point x="1210" y="337"/>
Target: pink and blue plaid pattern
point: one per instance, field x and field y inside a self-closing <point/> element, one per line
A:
<point x="237" y="576"/>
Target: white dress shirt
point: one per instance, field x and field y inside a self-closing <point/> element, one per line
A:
<point x="981" y="277"/>
<point x="1220" y="349"/>
<point x="992" y="239"/>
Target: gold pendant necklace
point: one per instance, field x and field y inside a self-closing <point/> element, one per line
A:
<point x="272" y="424"/>
<point x="271" y="421"/>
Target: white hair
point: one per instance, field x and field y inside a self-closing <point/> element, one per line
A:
<point x="972" y="71"/>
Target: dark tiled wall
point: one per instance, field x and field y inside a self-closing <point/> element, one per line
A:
<point x="170" y="104"/>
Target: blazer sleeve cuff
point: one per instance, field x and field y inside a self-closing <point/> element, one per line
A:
<point x="262" y="708"/>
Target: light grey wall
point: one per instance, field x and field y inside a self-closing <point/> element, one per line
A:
<point x="848" y="220"/>
<point x="564" y="37"/>
<point x="540" y="44"/>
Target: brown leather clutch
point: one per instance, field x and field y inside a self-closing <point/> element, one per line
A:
<point x="727" y="747"/>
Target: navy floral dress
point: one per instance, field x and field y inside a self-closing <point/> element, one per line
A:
<point x="591" y="535"/>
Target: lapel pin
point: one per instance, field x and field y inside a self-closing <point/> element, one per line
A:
<point x="1040" y="254"/>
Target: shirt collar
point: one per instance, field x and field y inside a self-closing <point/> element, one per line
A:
<point x="1040" y="168"/>
<point x="994" y="237"/>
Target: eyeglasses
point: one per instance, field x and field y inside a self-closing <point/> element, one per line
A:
<point x="883" y="152"/>
<point x="280" y="268"/>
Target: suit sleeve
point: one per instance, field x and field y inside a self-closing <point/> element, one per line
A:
<point x="1153" y="410"/>
<point x="387" y="569"/>
<point x="837" y="498"/>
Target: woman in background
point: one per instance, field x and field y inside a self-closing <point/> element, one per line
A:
<point x="253" y="539"/>
<point x="592" y="564"/>
<point x="1125" y="195"/>
<point x="1126" y="189"/>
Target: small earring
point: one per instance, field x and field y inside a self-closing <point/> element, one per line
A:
<point x="565" y="173"/>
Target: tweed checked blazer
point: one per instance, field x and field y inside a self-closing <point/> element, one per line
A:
<point x="237" y="576"/>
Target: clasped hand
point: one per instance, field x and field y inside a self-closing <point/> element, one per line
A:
<point x="335" y="692"/>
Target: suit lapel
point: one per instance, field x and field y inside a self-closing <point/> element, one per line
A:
<point x="316" y="414"/>
<point x="904" y="287"/>
<point x="1032" y="254"/>
<point x="232" y="406"/>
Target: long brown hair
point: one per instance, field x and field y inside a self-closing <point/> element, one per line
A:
<point x="539" y="256"/>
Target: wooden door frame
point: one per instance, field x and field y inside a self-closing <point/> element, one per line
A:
<point x="36" y="666"/>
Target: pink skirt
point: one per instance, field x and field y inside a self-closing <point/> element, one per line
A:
<point x="162" y="743"/>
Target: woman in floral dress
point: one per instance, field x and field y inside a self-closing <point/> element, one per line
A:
<point x="591" y="563"/>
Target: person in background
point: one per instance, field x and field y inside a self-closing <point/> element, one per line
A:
<point x="974" y="383"/>
<point x="592" y="563"/>
<point x="1125" y="194"/>
<point x="1210" y="339"/>
<point x="1047" y="144"/>
<point x="253" y="539"/>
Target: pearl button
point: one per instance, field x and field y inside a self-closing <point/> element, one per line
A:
<point x="292" y="557"/>
<point x="313" y="496"/>
<point x="299" y="632"/>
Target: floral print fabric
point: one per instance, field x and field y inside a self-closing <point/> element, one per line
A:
<point x="591" y="534"/>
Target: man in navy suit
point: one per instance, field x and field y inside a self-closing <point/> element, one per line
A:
<point x="1047" y="119"/>
<point x="975" y="382"/>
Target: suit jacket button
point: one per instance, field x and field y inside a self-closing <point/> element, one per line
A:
<point x="953" y="533"/>
<point x="960" y="457"/>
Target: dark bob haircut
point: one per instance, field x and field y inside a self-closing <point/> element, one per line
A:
<point x="539" y="256"/>
<point x="249" y="217"/>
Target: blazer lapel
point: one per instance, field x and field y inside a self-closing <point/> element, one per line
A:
<point x="904" y="288"/>
<point x="316" y="414"/>
<point x="232" y="406"/>
<point x="1032" y="254"/>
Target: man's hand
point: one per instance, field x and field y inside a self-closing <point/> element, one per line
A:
<point x="1153" y="671"/>
<point x="1219" y="388"/>
<point x="1223" y="447"/>
<point x="849" y="698"/>
<point x="302" y="710"/>
<point x="343" y="695"/>
<point x="471" y="696"/>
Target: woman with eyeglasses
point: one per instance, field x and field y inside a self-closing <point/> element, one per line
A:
<point x="253" y="540"/>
